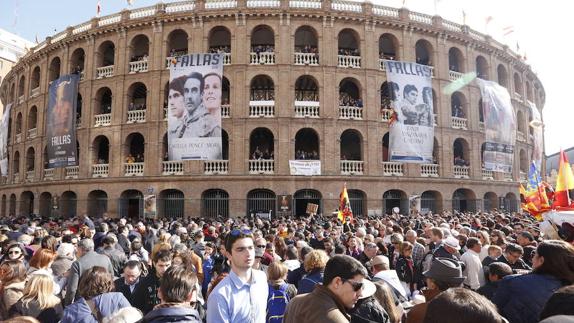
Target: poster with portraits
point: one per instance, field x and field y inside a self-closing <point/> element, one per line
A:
<point x="194" y="107"/>
<point x="499" y="127"/>
<point x="411" y="135"/>
<point x="4" y="140"/>
<point x="150" y="206"/>
<point x="61" y="122"/>
<point x="535" y="128"/>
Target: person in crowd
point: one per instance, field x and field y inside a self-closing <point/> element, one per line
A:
<point x="387" y="299"/>
<point x="207" y="263"/>
<point x="512" y="257"/>
<point x="125" y="315"/>
<point x="41" y="263"/>
<point x="342" y="286"/>
<point x="64" y="259"/>
<point x="129" y="284"/>
<point x="280" y="292"/>
<point x="295" y="276"/>
<point x="382" y="273"/>
<point x="232" y="299"/>
<point x="408" y="273"/>
<point x="525" y="239"/>
<point x="370" y="251"/>
<point x="484" y="239"/>
<point x="177" y="291"/>
<point x="15" y="252"/>
<point x="117" y="258"/>
<point x="472" y="265"/>
<point x="368" y="308"/>
<point x="418" y="249"/>
<point x="493" y="253"/>
<point x="39" y="301"/>
<point x="461" y="305"/>
<point x="495" y="272"/>
<point x="138" y="252"/>
<point x="87" y="258"/>
<point x="150" y="284"/>
<point x="315" y="262"/>
<point x="560" y="305"/>
<point x="12" y="284"/>
<point x="520" y="298"/>
<point x="97" y="299"/>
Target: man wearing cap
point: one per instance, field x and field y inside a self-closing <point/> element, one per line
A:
<point x="449" y="249"/>
<point x="443" y="274"/>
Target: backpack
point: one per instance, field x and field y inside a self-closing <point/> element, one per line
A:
<point x="277" y="303"/>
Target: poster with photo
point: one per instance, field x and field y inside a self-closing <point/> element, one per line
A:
<point x="411" y="135"/>
<point x="194" y="107"/>
<point x="4" y="140"/>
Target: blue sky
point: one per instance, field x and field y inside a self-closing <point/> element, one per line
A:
<point x="539" y="28"/>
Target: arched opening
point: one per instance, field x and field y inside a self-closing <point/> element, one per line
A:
<point x="306" y="41"/>
<point x="389" y="92"/>
<point x="21" y="85"/>
<point x="455" y="60"/>
<point x="30" y="160"/>
<point x="431" y="201"/>
<point x="45" y="204"/>
<point x="388" y="47"/>
<point x="77" y="61"/>
<point x="12" y="206"/>
<point x="225" y="92"/>
<point x="307" y="144"/>
<point x="103" y="101"/>
<point x="261" y="201"/>
<point x="79" y="103"/>
<point x="16" y="163"/>
<point x="131" y="204"/>
<point x="171" y="204"/>
<point x="137" y="97"/>
<point x="215" y="204"/>
<point x="101" y="150"/>
<point x="177" y="43"/>
<point x="97" y="203"/>
<point x="35" y="83"/>
<point x="458" y="105"/>
<point x="350" y="93"/>
<point x="19" y="123"/>
<point x="521" y="124"/>
<point x="461" y="152"/>
<point x="68" y="205"/>
<point x="528" y="91"/>
<point x="348" y="43"/>
<point x="511" y="203"/>
<point x="33" y="118"/>
<point x="3" y="206"/>
<point x="306" y="89"/>
<point x="54" y="70"/>
<point x="464" y="200"/>
<point x="262" y="40"/>
<point x="517" y="84"/>
<point x="395" y="198"/>
<point x="225" y="143"/>
<point x="135" y="148"/>
<point x="423" y="52"/>
<point x="262" y="89"/>
<point x="351" y="145"/>
<point x="480" y="111"/>
<point x="26" y="203"/>
<point x="105" y="56"/>
<point x="386" y="147"/>
<point x="139" y="48"/>
<point x="303" y="197"/>
<point x="490" y="201"/>
<point x="220" y="40"/>
<point x="502" y="75"/>
<point x="261" y="144"/>
<point x="358" y="201"/>
<point x="523" y="162"/>
<point x="481" y="68"/>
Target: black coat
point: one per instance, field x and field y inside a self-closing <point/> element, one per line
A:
<point x="368" y="310"/>
<point x="137" y="298"/>
<point x="149" y="287"/>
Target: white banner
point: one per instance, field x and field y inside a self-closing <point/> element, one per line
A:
<point x="499" y="127"/>
<point x="305" y="167"/>
<point x="4" y="140"/>
<point x="538" y="145"/>
<point x="412" y="133"/>
<point x="194" y="107"/>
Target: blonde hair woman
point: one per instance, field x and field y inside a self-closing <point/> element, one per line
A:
<point x="314" y="264"/>
<point x="38" y="300"/>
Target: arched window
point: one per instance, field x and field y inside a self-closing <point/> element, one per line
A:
<point x="171" y="204"/>
<point x="215" y="204"/>
<point x="388" y="47"/>
<point x="307" y="144"/>
<point x="177" y="43"/>
<point x="424" y="52"/>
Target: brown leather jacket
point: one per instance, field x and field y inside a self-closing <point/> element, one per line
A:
<point x="321" y="306"/>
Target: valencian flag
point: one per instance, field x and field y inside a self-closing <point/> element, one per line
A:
<point x="344" y="206"/>
<point x="535" y="199"/>
<point x="564" y="184"/>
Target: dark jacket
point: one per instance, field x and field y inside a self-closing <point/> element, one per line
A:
<point x="519" y="264"/>
<point x="79" y="267"/>
<point x="309" y="281"/>
<point x="48" y="315"/>
<point x="149" y="287"/>
<point x="418" y="312"/>
<point x="409" y="274"/>
<point x="106" y="304"/>
<point x="173" y="314"/>
<point x="61" y="265"/>
<point x="488" y="290"/>
<point x="137" y="298"/>
<point x="369" y="310"/>
<point x="117" y="258"/>
<point x="294" y="276"/>
<point x="520" y="298"/>
<point x="124" y="243"/>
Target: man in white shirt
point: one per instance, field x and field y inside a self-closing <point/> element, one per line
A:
<point x="381" y="271"/>
<point x="473" y="266"/>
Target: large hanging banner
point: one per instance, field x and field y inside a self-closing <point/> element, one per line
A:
<point x="4" y="140"/>
<point x="536" y="125"/>
<point x="499" y="127"/>
<point x="194" y="107"/>
<point x="305" y="167"/>
<point x="61" y="121"/>
<point x="412" y="130"/>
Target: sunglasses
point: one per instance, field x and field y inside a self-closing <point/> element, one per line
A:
<point x="15" y="252"/>
<point x="261" y="246"/>
<point x="236" y="232"/>
<point x="356" y="285"/>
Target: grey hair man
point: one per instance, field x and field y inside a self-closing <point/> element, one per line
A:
<point x="418" y="249"/>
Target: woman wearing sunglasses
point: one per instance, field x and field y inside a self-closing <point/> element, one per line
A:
<point x="15" y="252"/>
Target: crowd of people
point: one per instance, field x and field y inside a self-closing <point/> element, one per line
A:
<point x="346" y="100"/>
<point x="349" y="51"/>
<point x="220" y="49"/>
<point x="259" y="154"/>
<point x="306" y="155"/>
<point x="448" y="267"/>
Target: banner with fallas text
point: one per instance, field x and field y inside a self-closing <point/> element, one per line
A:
<point x="194" y="107"/>
<point x="412" y="132"/>
<point x="61" y="122"/>
<point x="4" y="140"/>
<point x="499" y="127"/>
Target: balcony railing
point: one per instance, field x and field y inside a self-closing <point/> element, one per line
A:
<point x="382" y="65"/>
<point x="350" y="113"/>
<point x="263" y="3"/>
<point x="138" y="66"/>
<point x="35" y="91"/>
<point x="136" y="116"/>
<point x="100" y="170"/>
<point x="349" y="61"/>
<point x="393" y="169"/>
<point x="220" y="4"/>
<point x="133" y="169"/>
<point x="172" y="168"/>
<point x="103" y="120"/>
<point x="487" y="175"/>
<point x="30" y="176"/>
<point x="429" y="170"/>
<point x="262" y="109"/>
<point x="82" y="75"/>
<point x="306" y="59"/>
<point x="386" y="114"/>
<point x="305" y="4"/>
<point x="106" y="71"/>
<point x="263" y="58"/>
<point x="21" y="99"/>
<point x="458" y="123"/>
<point x="16" y="178"/>
<point x="507" y="177"/>
<point x="225" y="108"/>
<point x="520" y="136"/>
<point x="226" y="58"/>
<point x="262" y="166"/>
<point x="32" y="133"/>
<point x="72" y="172"/>
<point x="306" y="109"/>
<point x="517" y="97"/>
<point x="49" y="174"/>
<point x="453" y="76"/>
<point x="214" y="167"/>
<point x="18" y="138"/>
<point x="461" y="171"/>
<point x="351" y="167"/>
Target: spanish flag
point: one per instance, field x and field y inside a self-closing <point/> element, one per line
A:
<point x="564" y="184"/>
<point x="344" y="206"/>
